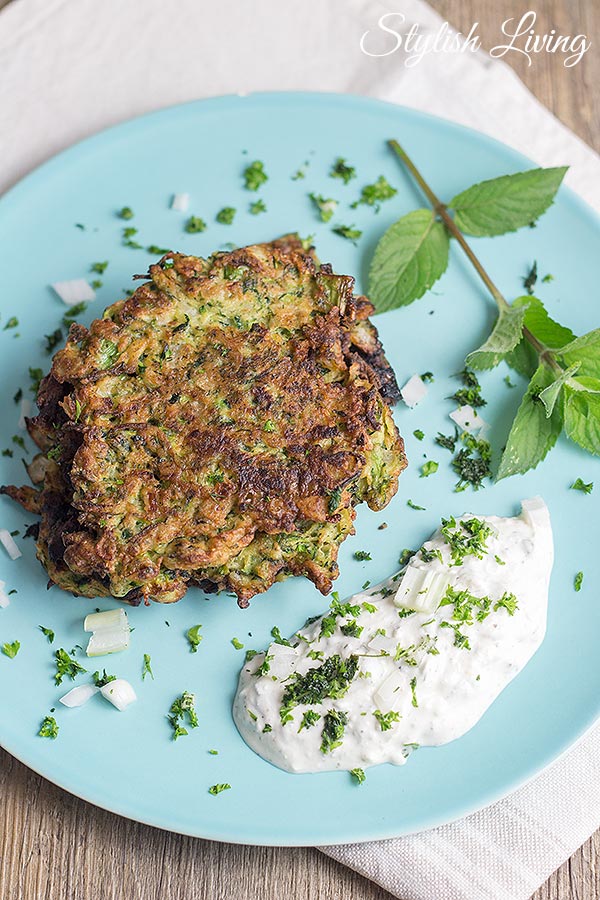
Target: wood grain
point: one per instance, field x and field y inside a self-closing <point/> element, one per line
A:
<point x="53" y="845"/>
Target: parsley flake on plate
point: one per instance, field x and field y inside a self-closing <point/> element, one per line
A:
<point x="48" y="728"/>
<point x="218" y="788"/>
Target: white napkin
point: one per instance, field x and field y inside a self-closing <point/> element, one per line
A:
<point x="69" y="68"/>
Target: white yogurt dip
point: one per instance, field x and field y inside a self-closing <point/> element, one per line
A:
<point x="372" y="679"/>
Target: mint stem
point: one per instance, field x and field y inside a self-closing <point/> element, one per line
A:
<point x="442" y="211"/>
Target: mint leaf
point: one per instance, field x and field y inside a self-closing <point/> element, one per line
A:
<point x="505" y="336"/>
<point x="523" y="358"/>
<point x="549" y="395"/>
<point x="585" y="351"/>
<point x="409" y="258"/>
<point x="504" y="204"/>
<point x="582" y="417"/>
<point x="532" y="434"/>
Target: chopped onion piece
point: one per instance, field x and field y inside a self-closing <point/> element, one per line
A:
<point x="108" y="640"/>
<point x="421" y="590"/>
<point x="389" y="693"/>
<point x="4" y="598"/>
<point x="9" y="545"/>
<point x="535" y="512"/>
<point x="75" y="291"/>
<point x="180" y="202"/>
<point x="25" y="411"/>
<point x="119" y="692"/>
<point x="110" y="618"/>
<point x="468" y="418"/>
<point x="382" y="642"/>
<point x="413" y="391"/>
<point x="79" y="695"/>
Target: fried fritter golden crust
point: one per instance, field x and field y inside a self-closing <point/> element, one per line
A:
<point x="216" y="428"/>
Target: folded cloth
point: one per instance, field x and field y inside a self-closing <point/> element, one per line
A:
<point x="69" y="68"/>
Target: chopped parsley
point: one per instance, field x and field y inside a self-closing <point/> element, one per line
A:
<point x="265" y="666"/>
<point x="66" y="667"/>
<point x="128" y="241"/>
<point x="508" y="382"/>
<point x="52" y="340"/>
<point x="147" y="667"/>
<point x="309" y="719"/>
<point x="460" y="639"/>
<point x="580" y="485"/>
<point x="472" y="463"/>
<point x="328" y="623"/>
<point x="250" y="654"/>
<point x="447" y="441"/>
<point x="340" y="169"/>
<point x="429" y="468"/>
<point x="358" y="775"/>
<point x="13" y="322"/>
<point x="267" y="728"/>
<point x="194" y="637"/>
<point x="125" y="213"/>
<point x="507" y="602"/>
<point x="331" y="679"/>
<point x="226" y="215"/>
<point x="194" y="225"/>
<point x="578" y="581"/>
<point x="347" y="231"/>
<point x="427" y="377"/>
<point x="334" y="724"/>
<point x="100" y="680"/>
<point x="413" y="689"/>
<point x="48" y="728"/>
<point x="237" y="644"/>
<point x="530" y="279"/>
<point x="48" y="632"/>
<point x="96" y="284"/>
<point x="36" y="376"/>
<point x="406" y="556"/>
<point x="19" y="441"/>
<point x="326" y="206"/>
<point x="99" y="267"/>
<point x="157" y="251"/>
<point x="352" y="629"/>
<point x="374" y="194"/>
<point x="429" y="555"/>
<point x="547" y="278"/>
<point x="368" y="607"/>
<point x="278" y="639"/>
<point x="182" y="710"/>
<point x="214" y="752"/>
<point x="218" y="789"/>
<point x="386" y="720"/>
<point x="257" y="207"/>
<point x="18" y="396"/>
<point x="470" y="394"/>
<point x="467" y="538"/>
<point x="255" y="175"/>
<point x="72" y="313"/>
<point x="362" y="555"/>
<point x="269" y="426"/>
<point x="414" y="505"/>
<point x="419" y="434"/>
<point x="12" y="649"/>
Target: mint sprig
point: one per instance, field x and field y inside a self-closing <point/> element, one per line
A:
<point x="564" y="370"/>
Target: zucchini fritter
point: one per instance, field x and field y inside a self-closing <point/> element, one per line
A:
<point x="216" y="428"/>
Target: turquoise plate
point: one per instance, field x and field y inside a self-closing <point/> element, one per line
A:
<point x="126" y="762"/>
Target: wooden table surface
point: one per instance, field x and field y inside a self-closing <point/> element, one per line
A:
<point x="53" y="845"/>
